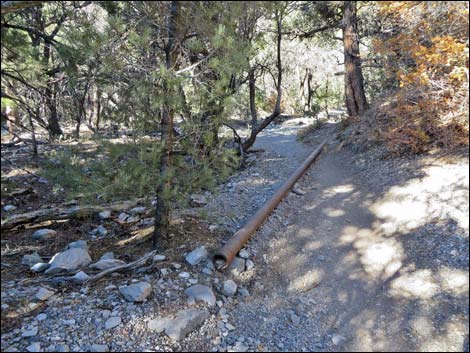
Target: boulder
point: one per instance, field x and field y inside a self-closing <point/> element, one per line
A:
<point x="185" y="322"/>
<point x="202" y="293"/>
<point x="69" y="260"/>
<point x="44" y="234"/>
<point x="136" y="292"/>
<point x="197" y="255"/>
<point x="30" y="260"/>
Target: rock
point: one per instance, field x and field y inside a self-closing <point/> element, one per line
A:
<point x="112" y="322"/>
<point x="138" y="210"/>
<point x="30" y="333"/>
<point x="202" y="293"/>
<point x="158" y="324"/>
<point x="250" y="160"/>
<point x="105" y="214"/>
<point x="295" y="319"/>
<point x="237" y="266"/>
<point x="107" y="264"/>
<point x="34" y="347"/>
<point x="298" y="191"/>
<point x="62" y="347"/>
<point x="32" y="259"/>
<point x="136" y="292"/>
<point x="107" y="256"/>
<point x="244" y="292"/>
<point x="80" y="277"/>
<point x="9" y="208"/>
<point x="69" y="260"/>
<point x="244" y="254"/>
<point x="99" y="348"/>
<point x="337" y="339"/>
<point x="197" y="200"/>
<point x="44" y="234"/>
<point x="99" y="231"/>
<point x="229" y="288"/>
<point x="197" y="255"/>
<point x="79" y="244"/>
<point x="40" y="267"/>
<point x="250" y="265"/>
<point x="43" y="294"/>
<point x="123" y="216"/>
<point x="41" y="317"/>
<point x="185" y="322"/>
<point x="184" y="275"/>
<point x="157" y="258"/>
<point x="5" y="306"/>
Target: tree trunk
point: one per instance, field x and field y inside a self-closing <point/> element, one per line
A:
<point x="277" y="108"/>
<point x="97" y="107"/>
<point x="356" y="102"/>
<point x="53" y="126"/>
<point x="162" y="209"/>
<point x="252" y="87"/>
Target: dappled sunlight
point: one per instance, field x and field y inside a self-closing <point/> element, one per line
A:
<point x="454" y="281"/>
<point x="450" y="338"/>
<point x="340" y="189"/>
<point x="306" y="281"/>
<point x="416" y="285"/>
<point x="331" y="212"/>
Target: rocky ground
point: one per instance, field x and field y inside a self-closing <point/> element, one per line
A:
<point x="335" y="267"/>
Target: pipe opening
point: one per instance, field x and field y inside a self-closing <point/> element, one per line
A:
<point x="220" y="262"/>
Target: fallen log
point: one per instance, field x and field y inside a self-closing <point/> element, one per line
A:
<point x="58" y="213"/>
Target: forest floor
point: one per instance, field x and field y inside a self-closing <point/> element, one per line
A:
<point x="373" y="256"/>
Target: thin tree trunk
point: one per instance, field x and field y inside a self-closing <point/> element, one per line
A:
<point x="162" y="209"/>
<point x="97" y="107"/>
<point x="277" y="108"/>
<point x="33" y="136"/>
<point x="53" y="126"/>
<point x="252" y="87"/>
<point x="356" y="102"/>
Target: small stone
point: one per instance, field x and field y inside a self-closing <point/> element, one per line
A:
<point x="99" y="348"/>
<point x="43" y="234"/>
<point x="40" y="267"/>
<point x="138" y="210"/>
<point x="107" y="264"/>
<point x="157" y="258"/>
<point x="244" y="254"/>
<point x="9" y="208"/>
<point x="62" y="347"/>
<point x="43" y="294"/>
<point x="184" y="275"/>
<point x="197" y="255"/>
<point x="30" y="333"/>
<point x="197" y="200"/>
<point x="70" y="322"/>
<point x="250" y="265"/>
<point x="105" y="214"/>
<point x="177" y="266"/>
<point x="41" y="317"/>
<point x="136" y="292"/>
<point x="31" y="260"/>
<point x="298" y="191"/>
<point x="295" y="319"/>
<point x="99" y="231"/>
<point x="230" y="327"/>
<point x="5" y="306"/>
<point x="123" y="216"/>
<point x="34" y="347"/>
<point x="80" y="277"/>
<point x="229" y="288"/>
<point x="185" y="322"/>
<point x="112" y="322"/>
<point x="107" y="256"/>
<point x="237" y="266"/>
<point x="79" y="244"/>
<point x="201" y="293"/>
<point x="337" y="339"/>
<point x="244" y="292"/>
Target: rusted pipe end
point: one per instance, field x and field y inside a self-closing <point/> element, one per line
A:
<point x="220" y="262"/>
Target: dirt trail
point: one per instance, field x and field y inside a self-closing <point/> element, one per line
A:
<point x="367" y="260"/>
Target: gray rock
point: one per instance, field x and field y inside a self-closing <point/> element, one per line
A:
<point x="202" y="293"/>
<point x="136" y="292"/>
<point x="30" y="333"/>
<point x="9" y="208"/>
<point x="105" y="214"/>
<point x="250" y="265"/>
<point x="197" y="255"/>
<point x="43" y="234"/>
<point x="298" y="191"/>
<point x="34" y="347"/>
<point x="80" y="277"/>
<point x="41" y="317"/>
<point x="244" y="292"/>
<point x="185" y="322"/>
<point x="99" y="231"/>
<point x="112" y="322"/>
<point x="123" y="216"/>
<point x="158" y="324"/>
<point x="62" y="347"/>
<point x="43" y="294"/>
<point x="138" y="210"/>
<point x="295" y="319"/>
<point x="107" y="264"/>
<point x="184" y="275"/>
<point x="237" y="267"/>
<point x="197" y="200"/>
<point x="69" y="260"/>
<point x="30" y="260"/>
<point x="338" y="339"/>
<point x="229" y="288"/>
<point x="40" y="267"/>
<point x="244" y="254"/>
<point x="79" y="244"/>
<point x="99" y="348"/>
<point x="157" y="258"/>
<point x="107" y="256"/>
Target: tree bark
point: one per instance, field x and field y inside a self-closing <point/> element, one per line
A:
<point x="162" y="208"/>
<point x="356" y="102"/>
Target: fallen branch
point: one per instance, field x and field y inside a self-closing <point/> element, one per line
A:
<point x="58" y="213"/>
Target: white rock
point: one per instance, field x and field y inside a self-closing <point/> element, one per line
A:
<point x="184" y="275"/>
<point x="157" y="258"/>
<point x="250" y="265"/>
<point x="40" y="267"/>
<point x="105" y="214"/>
<point x="197" y="255"/>
<point x="69" y="260"/>
<point x="43" y="234"/>
<point x="337" y="339"/>
<point x="244" y="254"/>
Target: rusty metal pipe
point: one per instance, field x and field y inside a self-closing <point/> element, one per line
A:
<point x="224" y="256"/>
